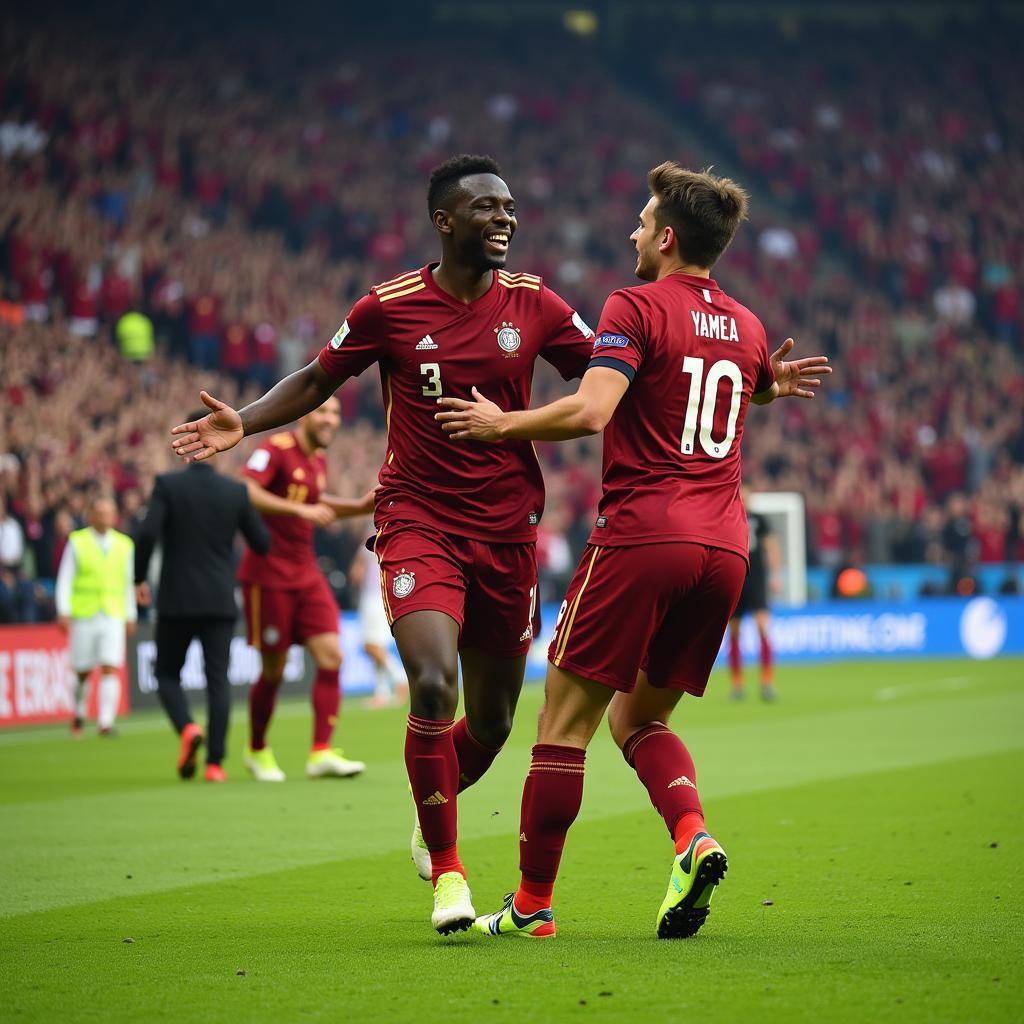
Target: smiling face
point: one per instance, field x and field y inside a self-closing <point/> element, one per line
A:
<point x="320" y="426"/>
<point x="480" y="222"/>
<point x="650" y="242"/>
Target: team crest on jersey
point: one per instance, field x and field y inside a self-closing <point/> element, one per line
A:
<point x="404" y="582"/>
<point x="509" y="338"/>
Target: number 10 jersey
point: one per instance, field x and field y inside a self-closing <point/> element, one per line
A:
<point x="694" y="357"/>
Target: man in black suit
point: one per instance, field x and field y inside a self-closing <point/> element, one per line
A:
<point x="194" y="514"/>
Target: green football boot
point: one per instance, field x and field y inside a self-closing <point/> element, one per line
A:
<point x="695" y="874"/>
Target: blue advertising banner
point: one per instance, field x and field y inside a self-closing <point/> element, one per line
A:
<point x="980" y="627"/>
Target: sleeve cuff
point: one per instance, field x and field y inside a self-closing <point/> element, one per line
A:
<point x="621" y="365"/>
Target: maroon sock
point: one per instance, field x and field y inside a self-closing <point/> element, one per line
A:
<point x="434" y="775"/>
<point x="262" y="698"/>
<point x="661" y="760"/>
<point x="688" y="825"/>
<point x="551" y="800"/>
<point x="474" y="757"/>
<point x="766" y="661"/>
<point x="326" y="701"/>
<point x="735" y="659"/>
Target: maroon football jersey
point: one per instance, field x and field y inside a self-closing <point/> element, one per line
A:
<point x="283" y="468"/>
<point x="694" y="357"/>
<point x="429" y="345"/>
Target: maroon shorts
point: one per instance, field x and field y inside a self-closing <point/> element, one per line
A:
<point x="276" y="618"/>
<point x="490" y="590"/>
<point x="663" y="608"/>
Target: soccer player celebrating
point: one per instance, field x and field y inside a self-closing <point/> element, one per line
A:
<point x="456" y="524"/>
<point x="675" y="364"/>
<point x="287" y="600"/>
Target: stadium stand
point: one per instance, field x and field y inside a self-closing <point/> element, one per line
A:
<point x="241" y="217"/>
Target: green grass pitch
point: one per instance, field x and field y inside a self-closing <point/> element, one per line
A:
<point x="873" y="819"/>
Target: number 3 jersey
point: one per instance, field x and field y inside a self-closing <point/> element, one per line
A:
<point x="693" y="357"/>
<point x="281" y="466"/>
<point x="429" y="345"/>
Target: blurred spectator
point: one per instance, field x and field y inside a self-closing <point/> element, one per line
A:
<point x="134" y="334"/>
<point x="16" y="593"/>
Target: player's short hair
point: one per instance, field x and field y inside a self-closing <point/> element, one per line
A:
<point x="445" y="178"/>
<point x="704" y="210"/>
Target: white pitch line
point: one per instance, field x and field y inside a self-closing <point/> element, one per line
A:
<point x="925" y="686"/>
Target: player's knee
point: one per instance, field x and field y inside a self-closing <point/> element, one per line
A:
<point x="329" y="661"/>
<point x="493" y="732"/>
<point x="272" y="671"/>
<point x="622" y="723"/>
<point x="432" y="693"/>
<point x="619" y="727"/>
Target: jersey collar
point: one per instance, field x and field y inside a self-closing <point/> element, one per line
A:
<point x="473" y="307"/>
<point x="693" y="280"/>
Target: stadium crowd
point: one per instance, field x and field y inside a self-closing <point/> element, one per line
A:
<point x="914" y="210"/>
<point x="240" y="195"/>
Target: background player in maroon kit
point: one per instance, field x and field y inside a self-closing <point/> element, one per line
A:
<point x="456" y="524"/>
<point x="765" y="560"/>
<point x="287" y="600"/>
<point x="674" y="366"/>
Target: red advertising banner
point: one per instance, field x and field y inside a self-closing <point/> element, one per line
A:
<point x="36" y="681"/>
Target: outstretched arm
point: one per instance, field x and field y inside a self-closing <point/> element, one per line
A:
<point x="270" y="504"/>
<point x="299" y="393"/>
<point x="795" y="378"/>
<point x="586" y="412"/>
<point x="346" y="508"/>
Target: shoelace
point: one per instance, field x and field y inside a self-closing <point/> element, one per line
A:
<point x="446" y="886"/>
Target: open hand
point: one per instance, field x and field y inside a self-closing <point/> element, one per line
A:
<point x="367" y="502"/>
<point x="478" y="420"/>
<point x="797" y="377"/>
<point x="318" y="514"/>
<point x="217" y="432"/>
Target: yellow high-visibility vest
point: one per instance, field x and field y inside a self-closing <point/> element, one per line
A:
<point x="100" y="579"/>
<point x="134" y="333"/>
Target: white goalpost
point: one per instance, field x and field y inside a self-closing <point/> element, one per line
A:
<point x="785" y="511"/>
